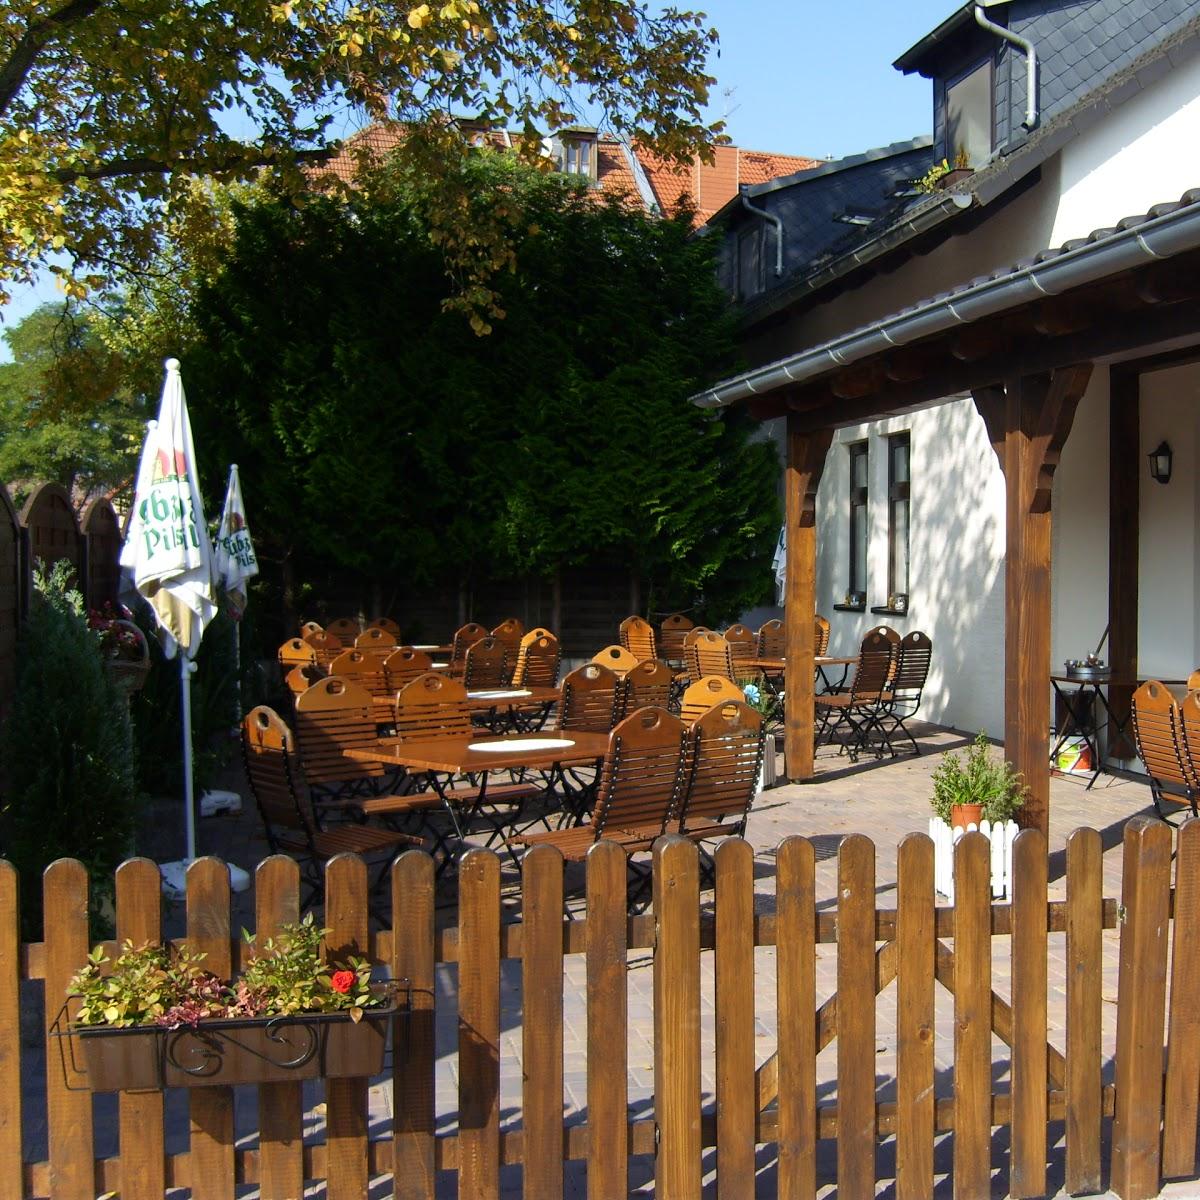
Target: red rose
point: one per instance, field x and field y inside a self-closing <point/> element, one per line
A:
<point x="343" y="981"/>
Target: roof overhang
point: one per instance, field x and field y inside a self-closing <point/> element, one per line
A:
<point x="1134" y="244"/>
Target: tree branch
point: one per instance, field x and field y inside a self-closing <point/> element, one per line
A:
<point x="194" y="166"/>
<point x="34" y="40"/>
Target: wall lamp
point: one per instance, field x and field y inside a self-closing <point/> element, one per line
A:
<point x="1160" y="463"/>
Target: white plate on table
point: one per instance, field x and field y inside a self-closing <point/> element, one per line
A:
<point x="499" y="694"/>
<point x="521" y="745"/>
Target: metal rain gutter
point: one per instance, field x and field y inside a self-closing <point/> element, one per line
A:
<point x="1156" y="238"/>
<point x="774" y="220"/>
<point x="1026" y="47"/>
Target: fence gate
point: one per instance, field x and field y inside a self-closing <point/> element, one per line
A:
<point x="499" y="986"/>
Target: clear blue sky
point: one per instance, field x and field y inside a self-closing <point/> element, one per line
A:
<point x="794" y="77"/>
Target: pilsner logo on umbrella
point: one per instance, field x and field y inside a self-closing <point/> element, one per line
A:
<point x="233" y="552"/>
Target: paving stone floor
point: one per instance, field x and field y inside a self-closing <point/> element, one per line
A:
<point x="886" y="800"/>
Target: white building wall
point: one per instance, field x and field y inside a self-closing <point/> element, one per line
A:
<point x="1137" y="156"/>
<point x="956" y="556"/>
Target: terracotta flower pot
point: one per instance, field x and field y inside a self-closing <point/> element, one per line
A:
<point x="964" y="815"/>
<point x="249" y="1050"/>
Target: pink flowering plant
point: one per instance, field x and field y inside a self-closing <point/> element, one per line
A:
<point x="116" y="632"/>
<point x="169" y="986"/>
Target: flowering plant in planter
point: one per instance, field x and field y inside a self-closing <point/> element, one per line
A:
<point x="987" y="784"/>
<point x="159" y="1018"/>
<point x="168" y="986"/>
<point x="115" y="630"/>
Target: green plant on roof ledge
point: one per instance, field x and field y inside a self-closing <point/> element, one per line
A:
<point x="980" y="779"/>
<point x="935" y="178"/>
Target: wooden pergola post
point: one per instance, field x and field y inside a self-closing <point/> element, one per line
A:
<point x="805" y="461"/>
<point x="1028" y="420"/>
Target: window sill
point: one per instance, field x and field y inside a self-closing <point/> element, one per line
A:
<point x="884" y="611"/>
<point x="858" y="608"/>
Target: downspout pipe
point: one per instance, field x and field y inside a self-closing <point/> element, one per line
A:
<point x="774" y="220"/>
<point x="1026" y="47"/>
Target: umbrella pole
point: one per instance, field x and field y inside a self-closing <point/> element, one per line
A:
<point x="186" y="667"/>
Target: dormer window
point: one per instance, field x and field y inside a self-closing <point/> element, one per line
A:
<point x="579" y="153"/>
<point x="969" y="116"/>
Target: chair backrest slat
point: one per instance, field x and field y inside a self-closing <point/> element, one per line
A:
<point x="403" y="665"/>
<point x="364" y="669"/>
<point x="876" y="659"/>
<point x="1189" y="726"/>
<point x="509" y="633"/>
<point x="636" y="634"/>
<point x="590" y="697"/>
<point x="820" y="636"/>
<point x="772" y="641"/>
<point x="648" y="685"/>
<point x="913" y="657"/>
<point x="433" y="706"/>
<point x="326" y="645"/>
<point x="464" y="638"/>
<point x="710" y="654"/>
<point x="743" y="642"/>
<point x="671" y="634"/>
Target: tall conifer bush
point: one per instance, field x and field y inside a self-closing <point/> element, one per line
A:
<point x="66" y="754"/>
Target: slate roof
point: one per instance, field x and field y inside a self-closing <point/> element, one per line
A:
<point x="912" y="217"/>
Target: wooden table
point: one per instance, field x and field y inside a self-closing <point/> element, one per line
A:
<point x="487" y="752"/>
<point x="487" y="699"/>
<point x="780" y="664"/>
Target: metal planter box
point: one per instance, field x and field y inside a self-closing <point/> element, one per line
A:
<point x="250" y="1050"/>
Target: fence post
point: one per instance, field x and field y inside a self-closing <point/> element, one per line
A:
<point x="972" y="1017"/>
<point x="280" y="1105"/>
<point x="915" y="933"/>
<point x="677" y="1018"/>
<point x="11" y="1184"/>
<point x="479" y="1026"/>
<point x="736" y="1110"/>
<point x="346" y="917"/>
<point x="1141" y="995"/>
<point x="607" y="1023"/>
<point x="542" y="1023"/>
<point x="1085" y="950"/>
<point x="69" y="1112"/>
<point x="139" y="920"/>
<point x="1183" y="1037"/>
<point x="1027" y="1167"/>
<point x="211" y="1159"/>
<point x="856" y="1016"/>
<point x="413" y="1069"/>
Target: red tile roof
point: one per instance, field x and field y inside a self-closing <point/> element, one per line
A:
<point x="708" y="186"/>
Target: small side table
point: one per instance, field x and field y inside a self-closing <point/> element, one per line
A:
<point x="1079" y="694"/>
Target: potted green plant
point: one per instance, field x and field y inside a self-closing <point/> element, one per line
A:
<point x="156" y="1018"/>
<point x="767" y="706"/>
<point x="981" y="787"/>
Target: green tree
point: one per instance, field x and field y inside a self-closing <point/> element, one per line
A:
<point x="109" y="112"/>
<point x="66" y="413"/>
<point x="66" y="754"/>
<point x="383" y="438"/>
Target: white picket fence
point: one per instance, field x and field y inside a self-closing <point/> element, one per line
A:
<point x="1001" y="837"/>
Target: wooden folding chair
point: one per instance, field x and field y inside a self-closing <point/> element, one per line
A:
<point x="637" y="636"/>
<point x="672" y="631"/>
<point x="590" y="698"/>
<point x="615" y="658"/>
<point x="743" y="645"/>
<point x="858" y="708"/>
<point x="899" y="704"/>
<point x="772" y="641"/>
<point x="725" y="748"/>
<point x="291" y="825"/>
<point x="296" y="652"/>
<point x="638" y="791"/>
<point x="307" y="627"/>
<point x="367" y="671"/>
<point x="709" y="654"/>
<point x="485" y="665"/>
<point x="700" y="696"/>
<point x="1163" y="746"/>
<point x="375" y="641"/>
<point x="385" y="623"/>
<point x="327" y="646"/>
<point x="300" y="679"/>
<point x="538" y="660"/>
<point x="648" y="685"/>
<point x="345" y="629"/>
<point x="464" y="638"/>
<point x="820" y="637"/>
<point x="403" y="665"/>
<point x="509" y="633"/>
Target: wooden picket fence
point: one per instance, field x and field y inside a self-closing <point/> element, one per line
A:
<point x="776" y="1104"/>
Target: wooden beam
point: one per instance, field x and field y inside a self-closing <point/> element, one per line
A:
<point x="976" y="342"/>
<point x="805" y="463"/>
<point x="1166" y="283"/>
<point x="1124" y="465"/>
<point x="1055" y="317"/>
<point x="990" y="403"/>
<point x="857" y="381"/>
<point x="1038" y="414"/>
<point x="767" y="408"/>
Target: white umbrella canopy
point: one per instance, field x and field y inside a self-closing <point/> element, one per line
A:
<point x="166" y="548"/>
<point x="233" y="551"/>
<point x="168" y="553"/>
<point x="779" y="566"/>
